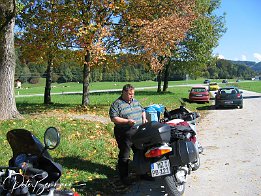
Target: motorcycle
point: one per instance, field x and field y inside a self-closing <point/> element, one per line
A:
<point x="31" y="170"/>
<point x="167" y="151"/>
<point x="181" y="115"/>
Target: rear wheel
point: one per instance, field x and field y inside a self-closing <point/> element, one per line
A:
<point x="241" y="106"/>
<point x="172" y="187"/>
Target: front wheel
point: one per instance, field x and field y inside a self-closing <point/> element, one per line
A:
<point x="172" y="187"/>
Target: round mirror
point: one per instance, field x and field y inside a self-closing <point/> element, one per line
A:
<point x="51" y="138"/>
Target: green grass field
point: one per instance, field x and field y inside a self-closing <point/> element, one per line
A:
<point x="28" y="89"/>
<point x="88" y="151"/>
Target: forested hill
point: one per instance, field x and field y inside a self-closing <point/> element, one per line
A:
<point x="253" y="65"/>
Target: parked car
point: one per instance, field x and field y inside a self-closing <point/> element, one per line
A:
<point x="199" y="94"/>
<point x="213" y="86"/>
<point x="224" y="81"/>
<point x="229" y="97"/>
<point x="206" y="81"/>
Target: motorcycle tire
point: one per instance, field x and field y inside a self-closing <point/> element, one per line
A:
<point x="172" y="187"/>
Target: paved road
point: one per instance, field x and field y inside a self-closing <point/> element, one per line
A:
<point x="231" y="161"/>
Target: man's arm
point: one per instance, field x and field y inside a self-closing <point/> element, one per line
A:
<point x="119" y="120"/>
<point x="144" y="118"/>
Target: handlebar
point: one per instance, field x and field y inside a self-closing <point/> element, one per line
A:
<point x="6" y="167"/>
<point x="28" y="169"/>
<point x="40" y="173"/>
<point x="163" y="120"/>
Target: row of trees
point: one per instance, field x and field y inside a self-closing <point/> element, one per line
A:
<point x="72" y="72"/>
<point x="163" y="35"/>
<point x="227" y="69"/>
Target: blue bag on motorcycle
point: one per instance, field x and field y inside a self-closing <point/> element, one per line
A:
<point x="154" y="111"/>
<point x="151" y="133"/>
<point x="151" y="114"/>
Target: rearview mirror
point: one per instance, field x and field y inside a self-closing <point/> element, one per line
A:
<point x="51" y="138"/>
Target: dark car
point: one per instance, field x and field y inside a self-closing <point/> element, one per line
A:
<point x="199" y="94"/>
<point x="224" y="81"/>
<point x="229" y="97"/>
<point x="206" y="81"/>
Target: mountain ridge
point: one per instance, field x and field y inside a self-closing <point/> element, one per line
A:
<point x="253" y="65"/>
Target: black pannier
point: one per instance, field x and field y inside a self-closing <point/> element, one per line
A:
<point x="151" y="133"/>
<point x="184" y="152"/>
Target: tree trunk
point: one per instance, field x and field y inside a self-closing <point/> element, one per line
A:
<point x="166" y="77"/>
<point x="8" y="108"/>
<point x="48" y="82"/>
<point x="159" y="81"/>
<point x="86" y="80"/>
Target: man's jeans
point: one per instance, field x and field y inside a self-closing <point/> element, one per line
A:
<point x="123" y="138"/>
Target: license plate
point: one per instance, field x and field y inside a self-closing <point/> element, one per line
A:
<point x="199" y="95"/>
<point x="228" y="102"/>
<point x="160" y="168"/>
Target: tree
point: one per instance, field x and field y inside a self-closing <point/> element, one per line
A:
<point x="8" y="108"/>
<point x="41" y="36"/>
<point x="227" y="69"/>
<point x="154" y="28"/>
<point x="194" y="53"/>
<point x="89" y="25"/>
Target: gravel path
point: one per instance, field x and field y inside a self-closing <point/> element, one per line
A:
<point x="231" y="161"/>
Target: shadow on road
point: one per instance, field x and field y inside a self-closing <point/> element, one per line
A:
<point x="209" y="107"/>
<point x="251" y="97"/>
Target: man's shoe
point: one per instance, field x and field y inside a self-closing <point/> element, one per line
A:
<point x="147" y="177"/>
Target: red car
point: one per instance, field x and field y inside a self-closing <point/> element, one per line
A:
<point x="199" y="94"/>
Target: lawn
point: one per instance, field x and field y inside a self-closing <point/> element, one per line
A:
<point x="88" y="151"/>
<point x="249" y="85"/>
<point x="28" y="89"/>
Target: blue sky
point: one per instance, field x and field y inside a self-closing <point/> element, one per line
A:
<point x="242" y="41"/>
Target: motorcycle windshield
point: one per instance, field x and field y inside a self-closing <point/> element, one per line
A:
<point x="23" y="141"/>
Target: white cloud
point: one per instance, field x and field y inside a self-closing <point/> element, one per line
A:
<point x="244" y="58"/>
<point x="221" y="56"/>
<point x="257" y="56"/>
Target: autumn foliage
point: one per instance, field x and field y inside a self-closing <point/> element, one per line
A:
<point x="156" y="27"/>
<point x="101" y="29"/>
